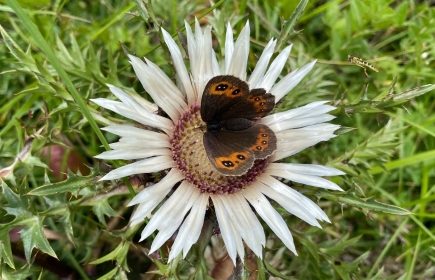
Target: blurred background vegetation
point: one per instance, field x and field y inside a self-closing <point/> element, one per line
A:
<point x="57" y="221"/>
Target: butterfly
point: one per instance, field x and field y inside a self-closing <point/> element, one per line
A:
<point x="233" y="140"/>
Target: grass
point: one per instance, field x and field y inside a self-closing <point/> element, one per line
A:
<point x="55" y="56"/>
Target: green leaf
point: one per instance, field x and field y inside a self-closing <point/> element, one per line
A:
<point x="274" y="271"/>
<point x="61" y="91"/>
<point x="335" y="248"/>
<point x="109" y="275"/>
<point x="72" y="184"/>
<point x="343" y="130"/>
<point x="141" y="6"/>
<point x="16" y="206"/>
<point x="311" y="247"/>
<point x="5" y="247"/>
<point x="288" y="26"/>
<point x="406" y="95"/>
<point x="102" y="207"/>
<point x="33" y="236"/>
<point x="25" y="272"/>
<point x="363" y="203"/>
<point x="25" y="58"/>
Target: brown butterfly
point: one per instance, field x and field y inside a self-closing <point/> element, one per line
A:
<point x="233" y="140"/>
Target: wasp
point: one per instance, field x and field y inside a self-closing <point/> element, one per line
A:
<point x="361" y="63"/>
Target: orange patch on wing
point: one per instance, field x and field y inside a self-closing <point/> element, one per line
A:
<point x="226" y="89"/>
<point x="260" y="103"/>
<point x="232" y="161"/>
<point x="262" y="141"/>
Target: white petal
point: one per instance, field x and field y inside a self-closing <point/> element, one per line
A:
<point x="207" y="67"/>
<point x="193" y="56"/>
<point x="239" y="59"/>
<point x="290" y="81"/>
<point x="134" y="153"/>
<point x="144" y="103"/>
<point x="286" y="149"/>
<point x="180" y="67"/>
<point x="244" y="221"/>
<point x="128" y="131"/>
<point x="297" y="123"/>
<point x="229" y="235"/>
<point x="307" y="169"/>
<point x="269" y="215"/>
<point x="289" y="203"/>
<point x="309" y="110"/>
<point x="292" y="200"/>
<point x="310" y="180"/>
<point x="155" y="88"/>
<point x="239" y="244"/>
<point x="148" y="165"/>
<point x="129" y="144"/>
<point x="130" y="104"/>
<point x="317" y="130"/>
<point x="106" y="103"/>
<point x="263" y="62"/>
<point x="172" y="211"/>
<point x="146" y="118"/>
<point x="275" y="69"/>
<point x="166" y="87"/>
<point x="190" y="230"/>
<point x="198" y="32"/>
<point x="229" y="47"/>
<point x="178" y="212"/>
<point x="163" y="186"/>
<point x="151" y="196"/>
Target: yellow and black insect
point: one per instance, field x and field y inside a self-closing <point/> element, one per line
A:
<point x="361" y="63"/>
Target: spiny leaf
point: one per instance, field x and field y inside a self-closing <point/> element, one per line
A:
<point x="72" y="184"/>
<point x="406" y="95"/>
<point x="369" y="204"/>
<point x="119" y="254"/>
<point x="25" y="58"/>
<point x="109" y="275"/>
<point x="343" y="130"/>
<point x="111" y="256"/>
<point x="102" y="207"/>
<point x="11" y="274"/>
<point x="5" y="247"/>
<point x="16" y="206"/>
<point x="288" y="26"/>
<point x="32" y="236"/>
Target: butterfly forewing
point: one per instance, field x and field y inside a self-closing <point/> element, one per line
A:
<point x="219" y="95"/>
<point x="227" y="97"/>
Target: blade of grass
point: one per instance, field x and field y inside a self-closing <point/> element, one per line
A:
<point x="408" y="161"/>
<point x="414" y="257"/>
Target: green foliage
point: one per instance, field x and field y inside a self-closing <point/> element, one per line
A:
<point x="55" y="56"/>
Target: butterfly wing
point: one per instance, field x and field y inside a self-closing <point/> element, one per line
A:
<point x="233" y="153"/>
<point x="226" y="97"/>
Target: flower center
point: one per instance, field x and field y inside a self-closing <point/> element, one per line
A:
<point x="189" y="153"/>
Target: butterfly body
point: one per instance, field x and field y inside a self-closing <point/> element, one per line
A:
<point x="234" y="139"/>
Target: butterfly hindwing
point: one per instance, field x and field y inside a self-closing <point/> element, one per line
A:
<point x="234" y="152"/>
